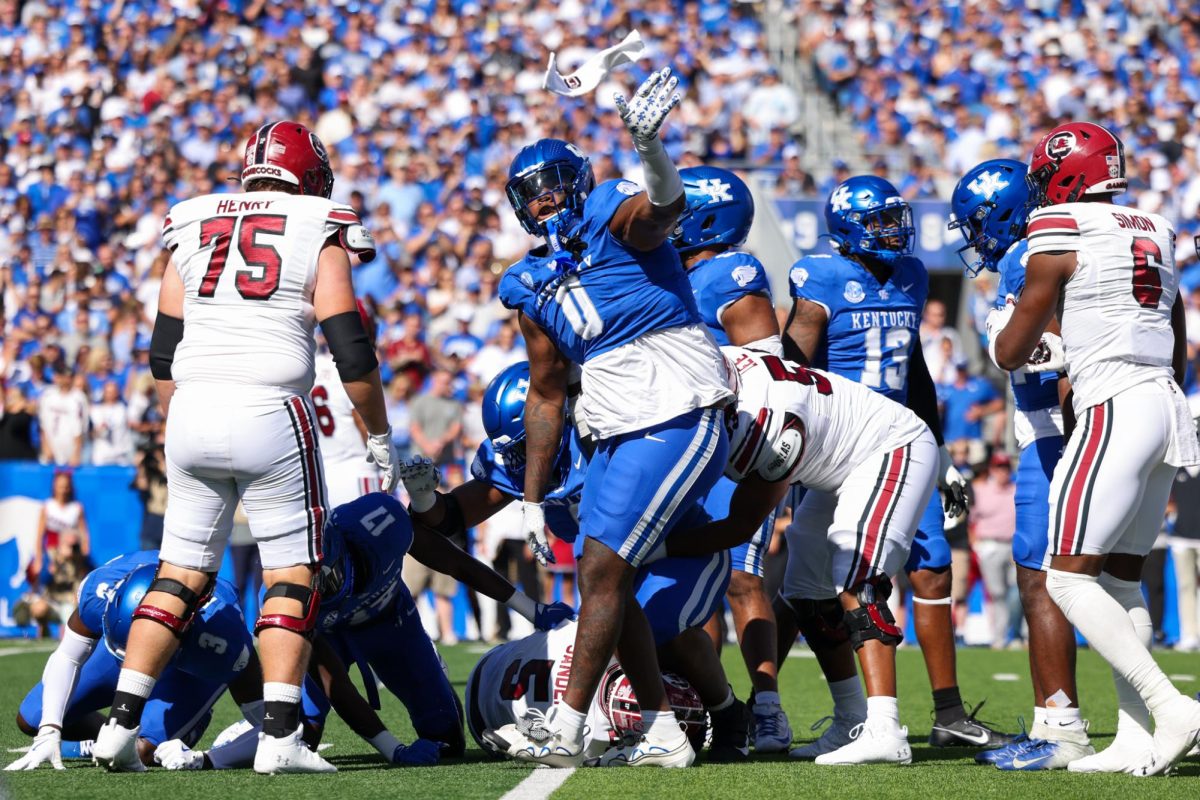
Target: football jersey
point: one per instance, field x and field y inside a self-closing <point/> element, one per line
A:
<point x="872" y="327"/>
<point x="844" y="423"/>
<point x="376" y="534"/>
<point x="562" y="496"/>
<point x="216" y="647"/>
<point x="1035" y="394"/>
<point x="628" y="317"/>
<point x="341" y="442"/>
<point x="1116" y="312"/>
<point x="720" y="281"/>
<point x="248" y="264"/>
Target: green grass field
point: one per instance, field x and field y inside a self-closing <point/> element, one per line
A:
<point x="1000" y="677"/>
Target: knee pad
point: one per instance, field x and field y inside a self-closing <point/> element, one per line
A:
<point x="821" y="622"/>
<point x="308" y="596"/>
<point x="193" y="602"/>
<point x="873" y="619"/>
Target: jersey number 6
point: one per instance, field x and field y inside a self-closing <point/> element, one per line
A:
<point x="259" y="279"/>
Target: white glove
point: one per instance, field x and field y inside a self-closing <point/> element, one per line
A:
<point x="646" y="112"/>
<point x="47" y="747"/>
<point x="175" y="755"/>
<point x="421" y="479"/>
<point x="1048" y="356"/>
<point x="381" y="452"/>
<point x="996" y="321"/>
<point x="952" y="485"/>
<point x="533" y="525"/>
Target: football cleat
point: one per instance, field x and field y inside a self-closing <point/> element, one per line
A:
<point x="1131" y="752"/>
<point x="279" y="755"/>
<point x="1176" y="731"/>
<point x="968" y="732"/>
<point x="878" y="743"/>
<point x="533" y="738"/>
<point x="1041" y="753"/>
<point x="731" y="734"/>
<point x="647" y="753"/>
<point x="772" y="733"/>
<point x="835" y="736"/>
<point x="1002" y="753"/>
<point x="115" y="748"/>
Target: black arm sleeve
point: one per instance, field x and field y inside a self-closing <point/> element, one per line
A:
<point x="352" y="350"/>
<point x="168" y="331"/>
<point x="922" y="396"/>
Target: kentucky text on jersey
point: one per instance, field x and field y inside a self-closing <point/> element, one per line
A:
<point x="884" y="319"/>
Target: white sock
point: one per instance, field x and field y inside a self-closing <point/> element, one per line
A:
<point x="1063" y="719"/>
<point x="661" y="725"/>
<point x="1132" y="715"/>
<point x="1110" y="631"/>
<point x="767" y="699"/>
<point x="848" y="698"/>
<point x="1039" y="715"/>
<point x="884" y="709"/>
<point x="278" y="692"/>
<point x="135" y="683"/>
<point x="570" y="722"/>
<point x="724" y="704"/>
<point x="385" y="743"/>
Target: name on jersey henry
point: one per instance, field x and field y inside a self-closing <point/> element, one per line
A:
<point x="238" y="206"/>
<point x="884" y="319"/>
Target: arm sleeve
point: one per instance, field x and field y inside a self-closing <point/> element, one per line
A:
<point x="1052" y="230"/>
<point x="922" y="394"/>
<point x="61" y="674"/>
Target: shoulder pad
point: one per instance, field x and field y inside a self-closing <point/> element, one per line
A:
<point x="357" y="239"/>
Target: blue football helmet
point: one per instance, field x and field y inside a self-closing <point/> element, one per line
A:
<point x="504" y="417"/>
<point x="866" y="216"/>
<point x="720" y="210"/>
<point x="125" y="598"/>
<point x="547" y="168"/>
<point x="336" y="577"/>
<point x="990" y="205"/>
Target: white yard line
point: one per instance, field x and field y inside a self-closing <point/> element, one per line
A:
<point x="20" y="651"/>
<point x="540" y="784"/>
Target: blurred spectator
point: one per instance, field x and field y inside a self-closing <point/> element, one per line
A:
<point x="562" y="567"/>
<point x="150" y="482"/>
<point x="420" y="579"/>
<point x="16" y="427"/>
<point x="62" y="516"/>
<point x="502" y="351"/>
<point x="63" y="420"/>
<point x="436" y="420"/>
<point x="513" y="560"/>
<point x="1185" y="552"/>
<point x="934" y="338"/>
<point x="400" y="392"/>
<point x="993" y="520"/>
<point x="112" y="440"/>
<point x="53" y="601"/>
<point x="966" y="403"/>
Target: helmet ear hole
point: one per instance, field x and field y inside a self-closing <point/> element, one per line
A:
<point x="708" y="222"/>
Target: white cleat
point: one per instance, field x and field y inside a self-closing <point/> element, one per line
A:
<point x="647" y="753"/>
<point x="116" y="748"/>
<point x="772" y="733"/>
<point x="280" y="755"/>
<point x="873" y="744"/>
<point x="535" y="739"/>
<point x="1176" y="731"/>
<point x="1131" y="752"/>
<point x="835" y="736"/>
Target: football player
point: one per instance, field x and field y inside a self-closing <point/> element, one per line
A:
<point x="607" y="292"/>
<point x="857" y="314"/>
<point x="232" y="352"/>
<point x="875" y="460"/>
<point x="734" y="299"/>
<point x="990" y="206"/>
<point x="677" y="595"/>
<point x="1112" y="272"/>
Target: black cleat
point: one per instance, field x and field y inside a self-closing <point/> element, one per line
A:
<point x="968" y="732"/>
<point x="731" y="734"/>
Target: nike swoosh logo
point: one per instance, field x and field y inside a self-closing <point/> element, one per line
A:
<point x="579" y="463"/>
<point x="654" y="438"/>
<point x="906" y="288"/>
<point x="980" y="738"/>
<point x="1020" y="764"/>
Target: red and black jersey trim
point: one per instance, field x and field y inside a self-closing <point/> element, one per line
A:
<point x="1075" y="497"/>
<point x="344" y="217"/>
<point x="312" y="473"/>
<point x="877" y="516"/>
<point x="747" y="455"/>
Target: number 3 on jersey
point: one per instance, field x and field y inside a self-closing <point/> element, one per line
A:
<point x="891" y="344"/>
<point x="259" y="278"/>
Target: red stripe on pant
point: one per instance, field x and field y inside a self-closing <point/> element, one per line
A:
<point x="885" y="499"/>
<point x="1079" y="480"/>
<point x="314" y="491"/>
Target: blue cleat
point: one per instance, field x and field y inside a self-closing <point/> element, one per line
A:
<point x="1045" y="754"/>
<point x="1003" y="753"/>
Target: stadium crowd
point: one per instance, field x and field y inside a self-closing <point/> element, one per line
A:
<point x="110" y="113"/>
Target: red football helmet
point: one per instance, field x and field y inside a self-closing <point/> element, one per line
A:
<point x="1076" y="159"/>
<point x="621" y="707"/>
<point x="289" y="152"/>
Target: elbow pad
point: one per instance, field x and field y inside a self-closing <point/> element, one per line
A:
<point x="358" y="240"/>
<point x="352" y="350"/>
<point x="168" y="332"/>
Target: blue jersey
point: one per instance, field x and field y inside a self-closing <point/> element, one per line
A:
<point x="872" y="328"/>
<point x="721" y="281"/>
<point x="1032" y="391"/>
<point x="563" y="493"/>
<point x="216" y="648"/>
<point x="376" y="534"/>
<point x="610" y="295"/>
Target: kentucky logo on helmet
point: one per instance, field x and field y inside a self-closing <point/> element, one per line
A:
<point x="840" y="199"/>
<point x="1061" y="146"/>
<point x="716" y="189"/>
<point x="987" y="183"/>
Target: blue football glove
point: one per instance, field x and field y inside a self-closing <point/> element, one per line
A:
<point x="421" y="753"/>
<point x="549" y="616"/>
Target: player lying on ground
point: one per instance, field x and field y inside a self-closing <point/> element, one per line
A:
<point x="877" y="461"/>
<point x="734" y="299"/>
<point x="677" y="595"/>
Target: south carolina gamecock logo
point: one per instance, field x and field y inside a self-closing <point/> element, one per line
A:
<point x="1060" y="146"/>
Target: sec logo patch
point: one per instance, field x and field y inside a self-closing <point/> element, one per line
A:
<point x="854" y="292"/>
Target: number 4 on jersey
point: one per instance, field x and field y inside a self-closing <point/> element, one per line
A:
<point x="259" y="279"/>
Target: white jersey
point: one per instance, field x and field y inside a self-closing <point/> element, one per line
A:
<point x="348" y="475"/>
<point x="248" y="264"/>
<point x="529" y="673"/>
<point x="1116" y="315"/>
<point x="808" y="425"/>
